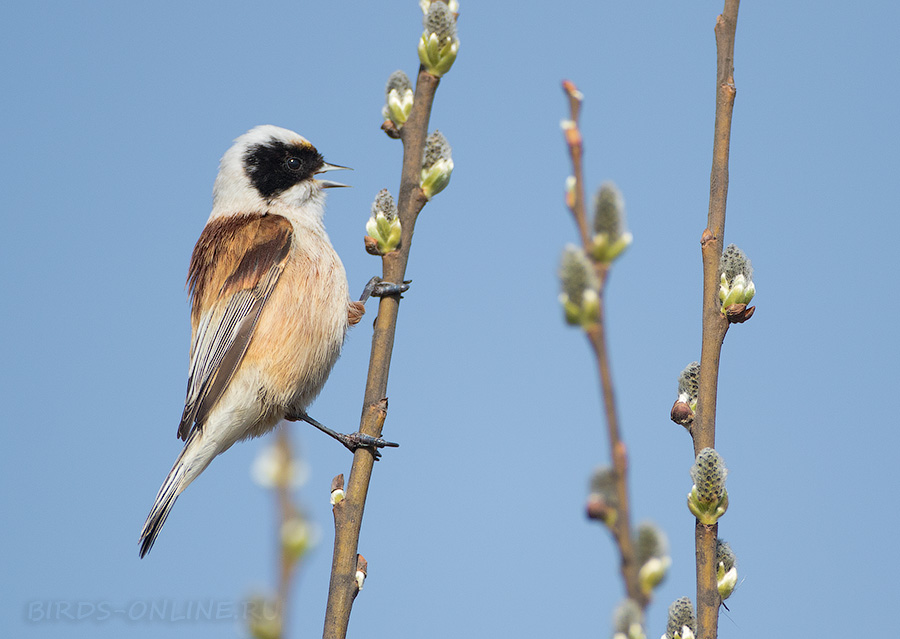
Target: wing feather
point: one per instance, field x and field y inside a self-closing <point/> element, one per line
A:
<point x="235" y="267"/>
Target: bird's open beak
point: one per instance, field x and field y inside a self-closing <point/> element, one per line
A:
<point x="328" y="184"/>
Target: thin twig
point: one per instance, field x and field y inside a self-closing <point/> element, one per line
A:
<point x="348" y="513"/>
<point x="596" y="337"/>
<point x="715" y="324"/>
<point x="286" y="512"/>
<point x="622" y="528"/>
<point x="576" y="151"/>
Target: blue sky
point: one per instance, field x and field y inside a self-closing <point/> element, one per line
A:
<point x="114" y="119"/>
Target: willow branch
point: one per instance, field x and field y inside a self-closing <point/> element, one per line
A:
<point x="348" y="513"/>
<point x="286" y="512"/>
<point x="597" y="339"/>
<point x="622" y="529"/>
<point x="715" y="325"/>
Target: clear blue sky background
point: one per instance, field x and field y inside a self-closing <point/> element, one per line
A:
<point x="114" y="118"/>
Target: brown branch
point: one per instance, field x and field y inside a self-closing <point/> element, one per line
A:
<point x="576" y="152"/>
<point x="715" y="325"/>
<point x="622" y="529"/>
<point x="348" y="513"/>
<point x="596" y="336"/>
<point x="286" y="512"/>
<point x="266" y="621"/>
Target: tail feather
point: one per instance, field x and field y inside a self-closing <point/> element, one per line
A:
<point x="175" y="483"/>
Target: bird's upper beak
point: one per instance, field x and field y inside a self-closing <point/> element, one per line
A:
<point x="328" y="184"/>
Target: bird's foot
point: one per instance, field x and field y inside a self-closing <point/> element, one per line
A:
<point x="376" y="287"/>
<point x="357" y="440"/>
<point x="353" y="441"/>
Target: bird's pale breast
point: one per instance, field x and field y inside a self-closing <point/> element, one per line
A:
<point x="302" y="327"/>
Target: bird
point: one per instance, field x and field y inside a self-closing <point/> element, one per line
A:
<point x="270" y="306"/>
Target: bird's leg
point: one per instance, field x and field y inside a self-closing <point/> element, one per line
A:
<point x="376" y="287"/>
<point x="351" y="441"/>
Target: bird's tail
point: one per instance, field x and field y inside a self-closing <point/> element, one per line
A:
<point x="189" y="464"/>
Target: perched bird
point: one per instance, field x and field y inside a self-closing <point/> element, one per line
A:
<point x="270" y="306"/>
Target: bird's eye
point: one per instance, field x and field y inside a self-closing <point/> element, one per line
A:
<point x="293" y="164"/>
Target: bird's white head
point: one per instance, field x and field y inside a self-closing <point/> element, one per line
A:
<point x="271" y="169"/>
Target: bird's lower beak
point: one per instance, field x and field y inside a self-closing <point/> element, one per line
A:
<point x="328" y="184"/>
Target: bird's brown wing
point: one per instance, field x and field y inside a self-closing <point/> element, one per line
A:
<point x="234" y="269"/>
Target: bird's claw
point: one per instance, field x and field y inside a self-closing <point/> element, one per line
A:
<point x="377" y="287"/>
<point x="352" y="442"/>
<point x="384" y="289"/>
<point x="357" y="440"/>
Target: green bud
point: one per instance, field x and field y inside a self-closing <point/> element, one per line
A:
<point x="453" y="5"/>
<point x="628" y="621"/>
<point x="709" y="473"/>
<point x="689" y="385"/>
<point x="272" y="469"/>
<point x="580" y="295"/>
<point x="437" y="165"/>
<point x="610" y="237"/>
<point x="297" y="537"/>
<point x="726" y="570"/>
<point x="439" y="43"/>
<point x="570" y="191"/>
<point x="708" y="499"/>
<point x="688" y="391"/>
<point x="651" y="550"/>
<point x="384" y="225"/>
<point x="398" y="99"/>
<point x="735" y="262"/>
<point x="265" y="620"/>
<point x="736" y="278"/>
<point x="681" y="623"/>
<point x="603" y="500"/>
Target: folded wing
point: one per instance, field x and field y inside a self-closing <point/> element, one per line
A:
<point x="234" y="269"/>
